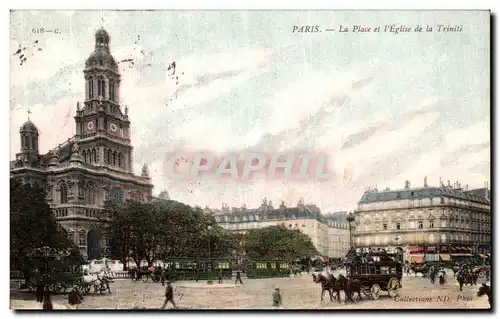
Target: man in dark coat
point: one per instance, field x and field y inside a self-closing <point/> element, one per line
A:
<point x="220" y="276"/>
<point x="169" y="296"/>
<point x="238" y="277"/>
<point x="277" y="300"/>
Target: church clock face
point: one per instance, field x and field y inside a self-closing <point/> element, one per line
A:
<point x="113" y="127"/>
<point x="90" y="125"/>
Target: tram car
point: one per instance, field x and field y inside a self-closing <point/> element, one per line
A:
<point x="380" y="273"/>
<point x="267" y="269"/>
<point x="199" y="269"/>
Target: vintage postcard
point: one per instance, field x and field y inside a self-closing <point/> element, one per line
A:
<point x="250" y="160"/>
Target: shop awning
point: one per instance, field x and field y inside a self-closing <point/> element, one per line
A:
<point x="431" y="257"/>
<point x="416" y="250"/>
<point x="431" y="248"/>
<point x="445" y="257"/>
<point x="461" y="255"/>
<point x="417" y="258"/>
<point x="469" y="249"/>
<point x="444" y="248"/>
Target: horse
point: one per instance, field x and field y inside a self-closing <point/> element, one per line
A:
<point x="464" y="278"/>
<point x="423" y="269"/>
<point x="99" y="281"/>
<point x="349" y="286"/>
<point x="327" y="284"/>
<point x="137" y="273"/>
<point x="485" y="290"/>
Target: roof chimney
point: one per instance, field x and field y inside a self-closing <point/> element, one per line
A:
<point x="466" y="187"/>
<point x="425" y="182"/>
<point x="441" y="182"/>
<point x="449" y="183"/>
<point x="407" y="184"/>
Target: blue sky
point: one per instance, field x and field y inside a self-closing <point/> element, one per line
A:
<point x="385" y="107"/>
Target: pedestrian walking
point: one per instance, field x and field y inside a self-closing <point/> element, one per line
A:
<point x="169" y="296"/>
<point x="75" y="297"/>
<point x="238" y="277"/>
<point x="220" y="276"/>
<point x="277" y="300"/>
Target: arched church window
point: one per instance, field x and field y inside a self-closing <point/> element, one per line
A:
<point x="100" y="62"/>
<point x="109" y="157"/>
<point x="101" y="87"/>
<point x="105" y="124"/>
<point x="26" y="142"/>
<point x="63" y="192"/>
<point x="114" y="158"/>
<point x="91" y="88"/>
<point x="116" y="195"/>
<point x="85" y="156"/>
<point x="81" y="238"/>
<point x="33" y="139"/>
<point x="112" y="90"/>
<point x="94" y="156"/>
<point x="119" y="159"/>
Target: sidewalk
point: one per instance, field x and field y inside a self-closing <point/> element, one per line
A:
<point x="33" y="305"/>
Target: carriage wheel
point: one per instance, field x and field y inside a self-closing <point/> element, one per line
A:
<point x="481" y="274"/>
<point x="53" y="287"/>
<point x="60" y="287"/>
<point x="156" y="279"/>
<point x="393" y="287"/>
<point x="31" y="286"/>
<point x="86" y="288"/>
<point x="366" y="291"/>
<point x="145" y="278"/>
<point x="102" y="289"/>
<point x="375" y="291"/>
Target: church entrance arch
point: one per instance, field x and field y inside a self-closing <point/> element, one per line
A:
<point x="93" y="245"/>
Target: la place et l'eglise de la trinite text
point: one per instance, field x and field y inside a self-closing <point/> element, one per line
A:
<point x="440" y="28"/>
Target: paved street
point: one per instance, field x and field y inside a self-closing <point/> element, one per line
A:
<point x="298" y="293"/>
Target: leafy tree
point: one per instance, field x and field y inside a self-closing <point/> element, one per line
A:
<point x="32" y="225"/>
<point x="277" y="243"/>
<point x="165" y="229"/>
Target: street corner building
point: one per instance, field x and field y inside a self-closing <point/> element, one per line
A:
<point x="92" y="167"/>
<point x="329" y="233"/>
<point x="449" y="222"/>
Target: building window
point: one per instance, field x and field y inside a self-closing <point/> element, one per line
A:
<point x="384" y="226"/>
<point x="398" y="226"/>
<point x="64" y="194"/>
<point x="91" y="88"/>
<point x="101" y="87"/>
<point x="420" y="224"/>
<point x="81" y="239"/>
<point x="100" y="62"/>
<point x="442" y="200"/>
<point x="398" y="195"/>
<point x="431" y="224"/>
<point x="111" y="90"/>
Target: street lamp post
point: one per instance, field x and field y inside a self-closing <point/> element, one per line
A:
<point x="209" y="277"/>
<point x="350" y="220"/>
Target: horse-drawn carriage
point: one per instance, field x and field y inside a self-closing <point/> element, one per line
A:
<point x="56" y="270"/>
<point x="381" y="273"/>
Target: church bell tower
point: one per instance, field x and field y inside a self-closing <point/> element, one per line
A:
<point x="102" y="128"/>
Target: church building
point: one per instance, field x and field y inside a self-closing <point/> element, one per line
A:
<point x="92" y="167"/>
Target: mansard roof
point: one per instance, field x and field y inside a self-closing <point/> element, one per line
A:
<point x="421" y="193"/>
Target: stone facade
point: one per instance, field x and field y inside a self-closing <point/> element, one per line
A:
<point x="425" y="216"/>
<point x="306" y="218"/>
<point x="93" y="166"/>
